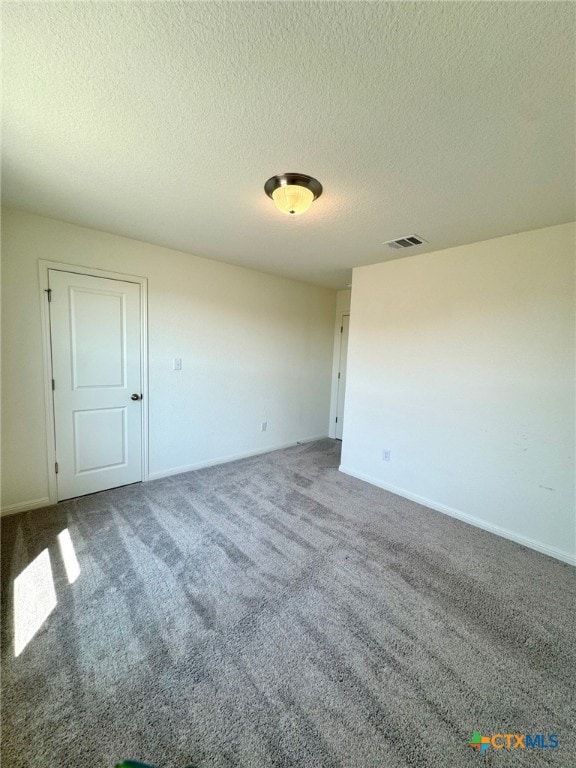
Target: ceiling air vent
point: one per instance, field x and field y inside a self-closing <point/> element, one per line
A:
<point x="405" y="242"/>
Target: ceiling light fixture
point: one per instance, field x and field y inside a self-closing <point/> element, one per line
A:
<point x="293" y="193"/>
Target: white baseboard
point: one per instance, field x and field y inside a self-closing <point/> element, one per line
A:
<point x="25" y="506"/>
<point x="559" y="554"/>
<point x="227" y="459"/>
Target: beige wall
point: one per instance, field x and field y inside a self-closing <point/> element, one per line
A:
<point x="461" y="363"/>
<point x="254" y="348"/>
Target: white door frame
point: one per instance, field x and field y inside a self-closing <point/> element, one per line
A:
<point x="339" y="369"/>
<point x="43" y="267"/>
<point x="335" y="368"/>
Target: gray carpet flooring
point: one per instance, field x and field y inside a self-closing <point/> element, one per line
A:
<point x="275" y="612"/>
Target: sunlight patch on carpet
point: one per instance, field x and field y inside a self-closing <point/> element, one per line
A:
<point x="71" y="563"/>
<point x="34" y="600"/>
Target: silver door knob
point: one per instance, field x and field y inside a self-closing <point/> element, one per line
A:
<point x="135" y="397"/>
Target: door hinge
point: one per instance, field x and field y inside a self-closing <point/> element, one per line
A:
<point x="56" y="467"/>
<point x="53" y="379"/>
<point x="341" y="328"/>
<point x="336" y="419"/>
<point x="49" y="292"/>
<point x="54" y="385"/>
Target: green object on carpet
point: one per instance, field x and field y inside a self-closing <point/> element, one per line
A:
<point x="134" y="764"/>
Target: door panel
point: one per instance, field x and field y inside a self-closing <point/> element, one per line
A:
<point x="96" y="363"/>
<point x="342" y="376"/>
<point x="101" y="362"/>
<point x="99" y="439"/>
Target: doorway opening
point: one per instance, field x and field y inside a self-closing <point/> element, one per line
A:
<point x="342" y="360"/>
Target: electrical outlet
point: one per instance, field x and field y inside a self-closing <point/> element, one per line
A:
<point x="177" y="364"/>
<point x="385" y="455"/>
<point x="264" y="426"/>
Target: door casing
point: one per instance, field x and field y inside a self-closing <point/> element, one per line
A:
<point x="341" y="379"/>
<point x="43" y="267"/>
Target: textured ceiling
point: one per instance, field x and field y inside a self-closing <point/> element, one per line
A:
<point x="162" y="121"/>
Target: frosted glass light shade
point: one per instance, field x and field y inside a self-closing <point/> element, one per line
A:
<point x="293" y="199"/>
<point x="293" y="193"/>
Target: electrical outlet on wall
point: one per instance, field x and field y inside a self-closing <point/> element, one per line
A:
<point x="177" y="364"/>
<point x="264" y="426"/>
<point x="385" y="455"/>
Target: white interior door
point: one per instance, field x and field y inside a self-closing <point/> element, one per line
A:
<point x="342" y="375"/>
<point x="96" y="366"/>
